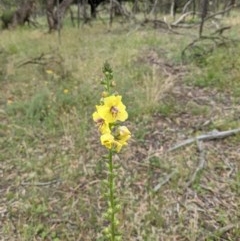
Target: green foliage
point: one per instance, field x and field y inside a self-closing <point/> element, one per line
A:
<point x="6" y="18"/>
<point x="167" y="108"/>
<point x="220" y="71"/>
<point x="235" y="185"/>
<point x="38" y="108"/>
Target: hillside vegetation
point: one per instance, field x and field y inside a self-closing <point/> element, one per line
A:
<point x="50" y="156"/>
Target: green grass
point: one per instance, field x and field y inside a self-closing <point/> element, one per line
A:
<point x="220" y="70"/>
<point x="50" y="159"/>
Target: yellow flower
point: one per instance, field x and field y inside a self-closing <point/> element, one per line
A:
<point x="9" y="102"/>
<point x="103" y="126"/>
<point x="117" y="146"/>
<point x="123" y="135"/>
<point x="112" y="109"/>
<point x="65" y="91"/>
<point x="109" y="142"/>
<point x="49" y="71"/>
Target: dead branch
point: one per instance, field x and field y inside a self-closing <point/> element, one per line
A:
<point x="219" y="13"/>
<point x="214" y="135"/>
<point x="227" y="228"/>
<point x="36" y="60"/>
<point x="164" y="181"/>
<point x="182" y="18"/>
<point x="221" y="30"/>
<point x="200" y="164"/>
<point x="43" y="59"/>
<point x="57" y="221"/>
<point x="186" y="6"/>
<point x="217" y="40"/>
<point x="159" y="24"/>
<point x="55" y="181"/>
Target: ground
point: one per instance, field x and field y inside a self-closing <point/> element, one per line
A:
<point x="51" y="167"/>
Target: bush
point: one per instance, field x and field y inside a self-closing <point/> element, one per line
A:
<point x="7" y="18"/>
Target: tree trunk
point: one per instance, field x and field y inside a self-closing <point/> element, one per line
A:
<point x="55" y="16"/>
<point x="203" y="15"/>
<point x="23" y="13"/>
<point x="50" y="14"/>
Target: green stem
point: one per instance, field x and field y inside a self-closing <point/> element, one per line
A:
<point x="108" y="85"/>
<point x="111" y="196"/>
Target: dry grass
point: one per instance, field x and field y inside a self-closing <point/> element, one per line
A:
<point x="51" y="168"/>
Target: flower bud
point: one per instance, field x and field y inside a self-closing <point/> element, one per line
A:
<point x="103" y="82"/>
<point x="105" y="94"/>
<point x="118" y="208"/>
<point x="105" y="182"/>
<point x="106" y="230"/>
<point x="106" y="216"/>
<point x="116" y="222"/>
<point x="118" y="238"/>
<point x="109" y="211"/>
<point x="113" y="83"/>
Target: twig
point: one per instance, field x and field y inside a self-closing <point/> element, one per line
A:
<point x="206" y="137"/>
<point x="164" y="181"/>
<point x="227" y="228"/>
<point x="36" y="60"/>
<point x="159" y="24"/>
<point x="41" y="183"/>
<point x="63" y="221"/>
<point x="200" y="164"/>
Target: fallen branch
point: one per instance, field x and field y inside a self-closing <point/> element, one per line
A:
<point x="219" y="13"/>
<point x="206" y="137"/>
<point x="221" y="30"/>
<point x="182" y="18"/>
<point x="43" y="59"/>
<point x="36" y="60"/>
<point x="204" y="45"/>
<point x="63" y="221"/>
<point x="200" y="164"/>
<point x="226" y="229"/>
<point x="164" y="181"/>
<point x="186" y="6"/>
<point x="55" y="181"/>
<point x="159" y="24"/>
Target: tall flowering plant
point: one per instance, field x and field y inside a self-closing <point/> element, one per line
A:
<point x="109" y="116"/>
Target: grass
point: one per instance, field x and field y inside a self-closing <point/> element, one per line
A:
<point x="50" y="157"/>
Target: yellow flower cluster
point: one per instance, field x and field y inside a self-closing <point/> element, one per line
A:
<point x="111" y="111"/>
